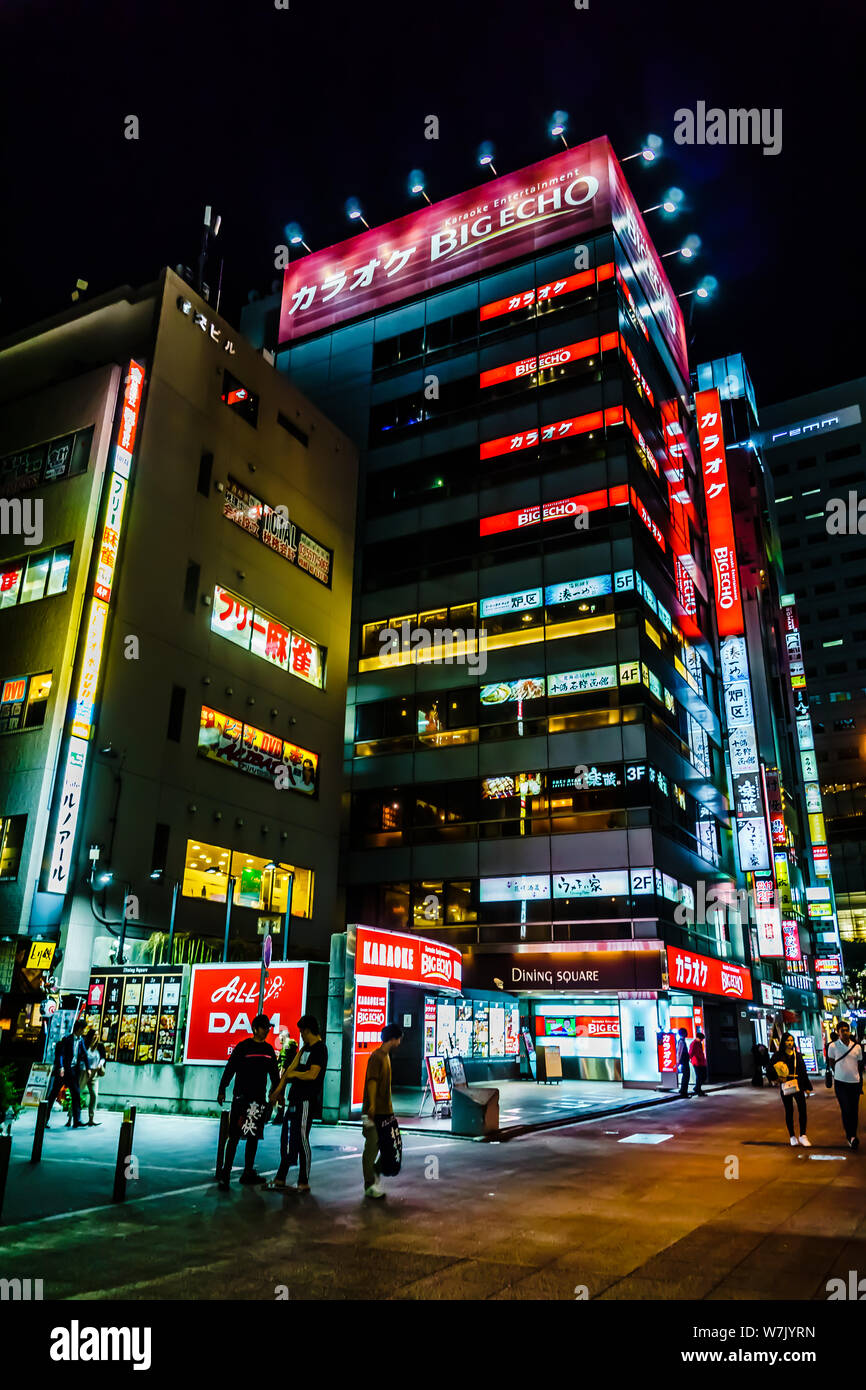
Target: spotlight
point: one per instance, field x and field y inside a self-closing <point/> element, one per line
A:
<point x="294" y="235"/>
<point x="353" y="212"/>
<point x="485" y="155"/>
<point x="416" y="184"/>
<point x="557" y="126"/>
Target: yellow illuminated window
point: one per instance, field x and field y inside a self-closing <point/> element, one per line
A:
<point x="259" y="883"/>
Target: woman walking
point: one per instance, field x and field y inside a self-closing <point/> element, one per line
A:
<point x="95" y="1069"/>
<point x="787" y="1070"/>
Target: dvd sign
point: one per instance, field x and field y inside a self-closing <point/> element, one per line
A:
<point x="224" y="1000"/>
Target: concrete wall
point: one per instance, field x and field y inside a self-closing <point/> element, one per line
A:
<point x="161" y="1090"/>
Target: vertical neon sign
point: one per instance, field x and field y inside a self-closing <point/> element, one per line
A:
<point x="94" y="641"/>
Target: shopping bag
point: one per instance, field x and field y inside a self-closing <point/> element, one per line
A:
<point x="390" y="1145"/>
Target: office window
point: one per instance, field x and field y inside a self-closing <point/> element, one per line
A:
<point x="837" y="455"/>
<point x="803" y="464"/>
<point x="294" y="430"/>
<point x="823" y="588"/>
<point x="45" y="463"/>
<point x="160" y="846"/>
<point x="259" y="883"/>
<point x="35" y="576"/>
<point x="23" y="701"/>
<point x="205" y="470"/>
<point x="190" y="586"/>
<point x="240" y="399"/>
<point x="175" y="713"/>
<point x="11" y="840"/>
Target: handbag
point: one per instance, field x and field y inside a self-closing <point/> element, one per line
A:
<point x="390" y="1145"/>
<point x="828" y="1078"/>
<point x="790" y="1088"/>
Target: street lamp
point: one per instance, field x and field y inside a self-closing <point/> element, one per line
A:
<point x="485" y="156"/>
<point x="557" y="126"/>
<point x="294" y="235"/>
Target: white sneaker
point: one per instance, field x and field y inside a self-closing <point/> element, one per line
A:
<point x="374" y="1191"/>
<point x="807" y="1143"/>
<point x="794" y="1141"/>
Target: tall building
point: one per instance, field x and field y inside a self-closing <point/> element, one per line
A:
<point x="814" y="446"/>
<point x="548" y="792"/>
<point x="175" y="581"/>
<point x="774" y="781"/>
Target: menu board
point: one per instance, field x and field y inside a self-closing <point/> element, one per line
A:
<point x="438" y="1078"/>
<point x="446" y="1027"/>
<point x="429" y="1024"/>
<point x="463" y="1028"/>
<point x="512" y="1030"/>
<point x="497" y="1030"/>
<point x="480" y="1030"/>
<point x="136" y="1012"/>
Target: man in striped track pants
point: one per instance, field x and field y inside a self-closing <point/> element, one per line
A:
<point x="305" y="1076"/>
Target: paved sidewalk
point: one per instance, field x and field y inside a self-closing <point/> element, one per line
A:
<point x="690" y="1200"/>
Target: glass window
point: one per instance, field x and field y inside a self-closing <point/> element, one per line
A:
<point x="37" y="700"/>
<point x="10" y="583"/>
<point x="259" y="882"/>
<point x="427" y="904"/>
<point x="34" y="580"/>
<point x="240" y="399"/>
<point x="11" y="841"/>
<point x="59" y="577"/>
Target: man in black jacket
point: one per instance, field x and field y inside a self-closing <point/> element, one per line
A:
<point x="252" y="1064"/>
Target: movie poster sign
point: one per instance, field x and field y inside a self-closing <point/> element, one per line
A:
<point x="229" y="741"/>
<point x="275" y="529"/>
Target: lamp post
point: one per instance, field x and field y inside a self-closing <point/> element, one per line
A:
<point x="288" y="924"/>
<point x="230" y="892"/>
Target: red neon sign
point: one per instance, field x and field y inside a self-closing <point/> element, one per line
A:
<point x="720" y="521"/>
<point x="558" y="357"/>
<point x="555" y="511"/>
<point x="706" y="975"/>
<point x="647" y="520"/>
<point x="526" y="298"/>
<point x="561" y="429"/>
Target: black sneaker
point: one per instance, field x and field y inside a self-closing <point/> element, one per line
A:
<point x="223" y="1184"/>
<point x="855" y="1142"/>
<point x="251" y="1177"/>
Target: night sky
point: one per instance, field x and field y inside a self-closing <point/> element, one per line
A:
<point x="280" y="115"/>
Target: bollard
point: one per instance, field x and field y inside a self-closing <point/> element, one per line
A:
<point x="39" y="1131"/>
<point x="5" y="1151"/>
<point x="124" y="1150"/>
<point x="221" y="1142"/>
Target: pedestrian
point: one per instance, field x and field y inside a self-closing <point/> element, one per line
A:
<point x="58" y="1080"/>
<point x="305" y="1076"/>
<point x="286" y="1051"/>
<point x="683" y="1061"/>
<point x="845" y="1061"/>
<point x="760" y="1062"/>
<point x="74" y="1061"/>
<point x="377" y="1111"/>
<point x="788" y="1071"/>
<point x="95" y="1069"/>
<point x="252" y="1064"/>
<point x="698" y="1059"/>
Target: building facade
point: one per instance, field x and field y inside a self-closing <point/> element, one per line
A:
<point x="548" y="790"/>
<point x="814" y="446"/>
<point x="175" y="640"/>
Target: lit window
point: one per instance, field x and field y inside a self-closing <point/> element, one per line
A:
<point x="258" y="883"/>
<point x="11" y="842"/>
<point x="36" y="577"/>
<point x="23" y="701"/>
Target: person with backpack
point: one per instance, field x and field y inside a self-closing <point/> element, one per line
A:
<point x="845" y="1066"/>
<point x="73" y="1067"/>
<point x="787" y="1070"/>
<point x="382" y="1143"/>
<point x="698" y="1059"/>
<point x="305" y="1075"/>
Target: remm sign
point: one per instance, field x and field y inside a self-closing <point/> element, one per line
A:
<point x="571" y="194"/>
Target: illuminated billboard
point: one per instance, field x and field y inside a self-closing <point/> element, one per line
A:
<point x="83" y="710"/>
<point x="260" y="633"/>
<point x="720" y="521"/>
<point x="568" y="195"/>
<point x="252" y="750"/>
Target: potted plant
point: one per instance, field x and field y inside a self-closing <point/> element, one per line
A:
<point x="10" y="1097"/>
